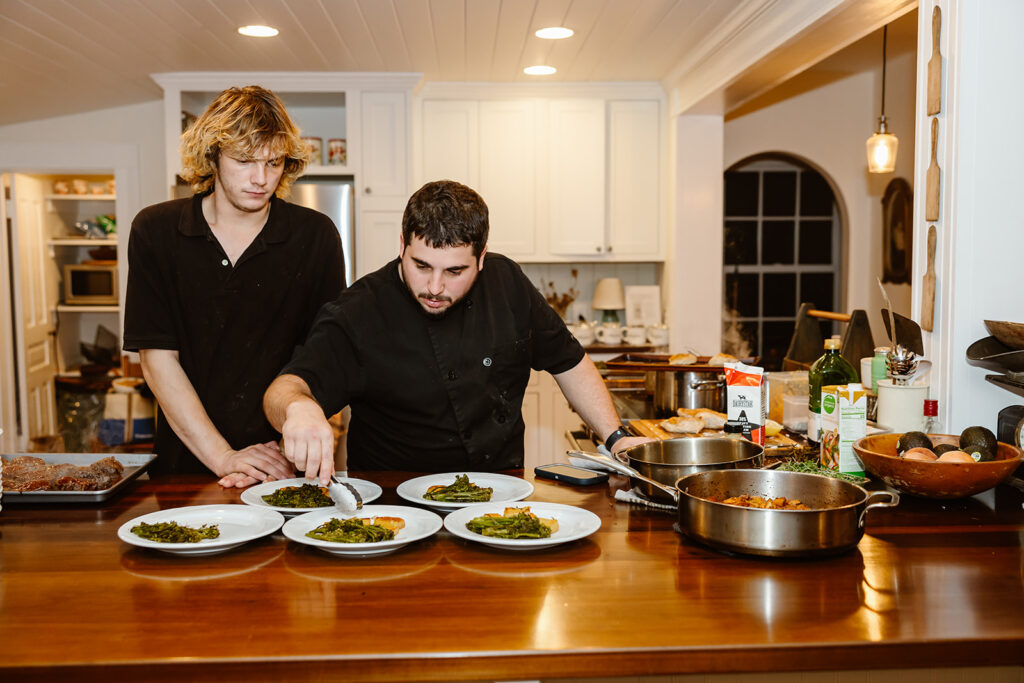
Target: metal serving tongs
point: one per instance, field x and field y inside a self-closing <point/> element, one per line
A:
<point x="344" y="495"/>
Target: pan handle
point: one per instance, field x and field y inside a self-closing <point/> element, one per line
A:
<point x="621" y="468"/>
<point x="893" y="499"/>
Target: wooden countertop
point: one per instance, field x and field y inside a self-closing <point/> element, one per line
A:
<point x="932" y="583"/>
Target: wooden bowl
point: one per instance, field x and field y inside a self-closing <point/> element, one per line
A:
<point x="934" y="479"/>
<point x="1011" y="334"/>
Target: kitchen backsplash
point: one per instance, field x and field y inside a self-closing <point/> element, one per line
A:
<point x="587" y="274"/>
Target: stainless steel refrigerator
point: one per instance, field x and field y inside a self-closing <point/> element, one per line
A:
<point x="333" y="196"/>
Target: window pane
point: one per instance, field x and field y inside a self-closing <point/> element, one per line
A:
<point x="815" y="195"/>
<point x="816" y="242"/>
<point x="777" y="335"/>
<point x="816" y="288"/>
<point x="740" y="242"/>
<point x="780" y="193"/>
<point x="778" y="296"/>
<point x="741" y="293"/>
<point x="740" y="194"/>
<point x="777" y="242"/>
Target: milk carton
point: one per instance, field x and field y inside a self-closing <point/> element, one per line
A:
<point x="843" y="421"/>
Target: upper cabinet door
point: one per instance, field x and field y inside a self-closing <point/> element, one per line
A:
<point x="508" y="174"/>
<point x="450" y="147"/>
<point x="576" y="181"/>
<point x="634" y="178"/>
<point x="385" y="163"/>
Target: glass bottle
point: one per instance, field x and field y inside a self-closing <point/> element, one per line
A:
<point x="830" y="369"/>
<point x="931" y="417"/>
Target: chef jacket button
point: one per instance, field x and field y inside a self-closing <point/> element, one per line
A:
<point x="452" y="376"/>
<point x="469" y="303"/>
<point x="487" y="456"/>
<point x="224" y="262"/>
<point x="487" y="362"/>
<point x="501" y="419"/>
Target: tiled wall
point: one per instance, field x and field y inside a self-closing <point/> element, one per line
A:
<point x="587" y="275"/>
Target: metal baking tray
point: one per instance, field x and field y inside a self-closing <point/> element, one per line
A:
<point x="134" y="465"/>
<point x="660" y="361"/>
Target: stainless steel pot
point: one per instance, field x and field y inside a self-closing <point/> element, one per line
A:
<point x="689" y="389"/>
<point x="666" y="461"/>
<point x="835" y="523"/>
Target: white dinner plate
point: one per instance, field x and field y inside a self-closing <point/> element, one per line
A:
<point x="573" y="524"/>
<point x="254" y="494"/>
<point x="237" y="524"/>
<point x="506" y="489"/>
<point x="419" y="524"/>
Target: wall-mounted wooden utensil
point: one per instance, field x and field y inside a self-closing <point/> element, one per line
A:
<point x="935" y="66"/>
<point x="931" y="200"/>
<point x="928" y="289"/>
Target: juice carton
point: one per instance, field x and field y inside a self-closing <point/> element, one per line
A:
<point x="843" y="421"/>
<point x="745" y="394"/>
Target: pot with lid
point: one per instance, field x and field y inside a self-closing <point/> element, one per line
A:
<point x="691" y="389"/>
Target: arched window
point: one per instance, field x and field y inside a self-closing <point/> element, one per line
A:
<point x="782" y="248"/>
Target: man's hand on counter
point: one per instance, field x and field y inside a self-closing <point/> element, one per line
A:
<point x="628" y="442"/>
<point x="253" y="464"/>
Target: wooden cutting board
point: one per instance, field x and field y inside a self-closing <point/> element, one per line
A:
<point x="651" y="429"/>
<point x="928" y="290"/>
<point x="932" y="178"/>
<point x="935" y="66"/>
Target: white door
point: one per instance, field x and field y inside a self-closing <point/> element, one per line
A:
<point x="385" y="157"/>
<point x="634" y="178"/>
<point x="450" y="148"/>
<point x="508" y="179"/>
<point x="34" y="278"/>
<point x="576" y="177"/>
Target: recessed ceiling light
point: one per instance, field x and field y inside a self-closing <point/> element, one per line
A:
<point x="555" y="33"/>
<point x="540" y="70"/>
<point x="258" y="31"/>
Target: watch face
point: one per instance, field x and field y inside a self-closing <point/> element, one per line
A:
<point x="1017" y="434"/>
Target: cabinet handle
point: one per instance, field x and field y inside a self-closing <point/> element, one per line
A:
<point x="368" y="191"/>
<point x="609" y="248"/>
<point x="598" y="250"/>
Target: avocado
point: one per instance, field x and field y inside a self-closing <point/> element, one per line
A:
<point x="979" y="453"/>
<point x="912" y="440"/>
<point x="978" y="436"/>
<point x="944" y="448"/>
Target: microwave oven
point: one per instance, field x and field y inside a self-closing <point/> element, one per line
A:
<point x="90" y="284"/>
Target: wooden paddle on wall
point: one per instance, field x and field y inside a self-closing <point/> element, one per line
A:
<point x="935" y="66"/>
<point x="932" y="178"/>
<point x="928" y="290"/>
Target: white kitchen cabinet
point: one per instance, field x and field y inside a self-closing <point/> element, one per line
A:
<point x="634" y="178"/>
<point x="378" y="239"/>
<point x="384" y="181"/>
<point x="548" y="417"/>
<point x="576" y="177"/>
<point x="451" y="147"/>
<point x="508" y="174"/>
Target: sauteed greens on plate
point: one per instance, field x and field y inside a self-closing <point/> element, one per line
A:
<point x="172" y="532"/>
<point x="462" y="491"/>
<point x="305" y="496"/>
<point x="356" y="530"/>
<point x="515" y="523"/>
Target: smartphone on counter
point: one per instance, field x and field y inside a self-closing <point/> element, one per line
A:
<point x="570" y="474"/>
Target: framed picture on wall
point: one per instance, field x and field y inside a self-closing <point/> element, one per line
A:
<point x="897" y="231"/>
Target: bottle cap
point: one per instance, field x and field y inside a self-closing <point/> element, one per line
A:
<point x="732" y="427"/>
<point x="832" y="343"/>
<point x="931" y="407"/>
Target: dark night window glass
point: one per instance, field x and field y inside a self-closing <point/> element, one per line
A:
<point x="748" y="330"/>
<point x="740" y="242"/>
<point x="741" y="293"/>
<point x="815" y="195"/>
<point x="778" y="295"/>
<point x="775" y="342"/>
<point x="816" y="288"/>
<point x="779" y="193"/>
<point x="777" y="242"/>
<point x="816" y="242"/>
<point x="740" y="194"/>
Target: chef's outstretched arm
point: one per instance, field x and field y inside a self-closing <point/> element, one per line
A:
<point x="583" y="387"/>
<point x="308" y="438"/>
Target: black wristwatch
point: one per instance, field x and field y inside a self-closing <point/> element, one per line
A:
<point x="613" y="438"/>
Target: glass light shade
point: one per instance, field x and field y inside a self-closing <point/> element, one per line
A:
<point x="881" y="149"/>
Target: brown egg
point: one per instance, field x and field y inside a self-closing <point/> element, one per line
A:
<point x="923" y="454"/>
<point x="955" y="456"/>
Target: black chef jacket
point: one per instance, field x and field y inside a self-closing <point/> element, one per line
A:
<point x="234" y="327"/>
<point x="434" y="394"/>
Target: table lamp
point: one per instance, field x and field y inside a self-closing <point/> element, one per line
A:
<point x="610" y="298"/>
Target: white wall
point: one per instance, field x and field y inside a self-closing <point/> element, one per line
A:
<point x="138" y="124"/>
<point x="828" y="126"/>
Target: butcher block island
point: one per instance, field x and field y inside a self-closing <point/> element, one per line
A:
<point x="932" y="584"/>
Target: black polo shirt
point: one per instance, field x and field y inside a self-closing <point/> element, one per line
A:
<point x="234" y="327"/>
<point x="434" y="394"/>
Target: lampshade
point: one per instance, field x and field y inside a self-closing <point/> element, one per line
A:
<point x="609" y="295"/>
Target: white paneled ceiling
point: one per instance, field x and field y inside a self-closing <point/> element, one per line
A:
<point x="64" y="56"/>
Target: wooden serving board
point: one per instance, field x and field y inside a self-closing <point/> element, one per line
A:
<point x="935" y="66"/>
<point x="651" y="429"/>
<point x="933" y="178"/>
<point x="659" y="361"/>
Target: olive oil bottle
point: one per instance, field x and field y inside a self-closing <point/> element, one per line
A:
<point x="830" y="369"/>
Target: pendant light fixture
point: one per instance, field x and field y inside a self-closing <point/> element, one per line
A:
<point x="882" y="145"/>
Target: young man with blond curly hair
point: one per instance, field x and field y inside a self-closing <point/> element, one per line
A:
<point x="222" y="286"/>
